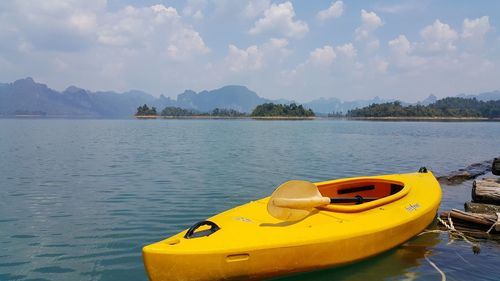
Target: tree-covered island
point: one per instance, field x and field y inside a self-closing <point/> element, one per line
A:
<point x="224" y="112"/>
<point x="451" y="107"/>
<point x="146" y="111"/>
<point x="266" y="110"/>
<point x="282" y="110"/>
<point x="178" y="112"/>
<point x="217" y="112"/>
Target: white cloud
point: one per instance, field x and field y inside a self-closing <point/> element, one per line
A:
<point x="373" y="45"/>
<point x="346" y="50"/>
<point x="159" y="48"/>
<point x="396" y="8"/>
<point x="382" y="65"/>
<point x="276" y="44"/>
<point x="184" y="44"/>
<point x="475" y="30"/>
<point x="83" y="22"/>
<point x="279" y="19"/>
<point x="256" y="57"/>
<point x="195" y="14"/>
<point x="334" y="11"/>
<point x="402" y="53"/>
<point x="328" y="55"/>
<point x="243" y="59"/>
<point x="330" y="70"/>
<point x="194" y="9"/>
<point x="323" y="56"/>
<point x="156" y="28"/>
<point x="439" y="37"/>
<point x="150" y="48"/>
<point x="238" y="11"/>
<point x="50" y="25"/>
<point x="198" y="15"/>
<point x="400" y="45"/>
<point x="75" y="26"/>
<point x="255" y="8"/>
<point x="369" y="23"/>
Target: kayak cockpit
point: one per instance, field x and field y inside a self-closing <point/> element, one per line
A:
<point x="378" y="191"/>
<point x="369" y="188"/>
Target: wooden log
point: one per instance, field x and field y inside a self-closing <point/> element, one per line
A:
<point x="479" y="219"/>
<point x="486" y="191"/>
<point x="475" y="233"/>
<point x="482" y="219"/>
<point x="473" y="225"/>
<point x="491" y="180"/>
<point x="470" y="221"/>
<point x="460" y="225"/>
<point x="481" y="208"/>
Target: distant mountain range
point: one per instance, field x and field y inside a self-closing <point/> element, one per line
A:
<point x="231" y="97"/>
<point x="495" y="95"/>
<point x="335" y="105"/>
<point x="27" y="97"/>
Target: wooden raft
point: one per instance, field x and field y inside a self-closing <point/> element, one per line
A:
<point x="482" y="216"/>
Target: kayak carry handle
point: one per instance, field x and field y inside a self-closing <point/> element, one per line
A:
<point x="192" y="234"/>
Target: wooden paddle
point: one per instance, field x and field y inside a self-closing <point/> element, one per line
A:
<point x="295" y="199"/>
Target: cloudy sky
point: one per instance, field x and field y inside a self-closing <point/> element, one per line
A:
<point x="298" y="50"/>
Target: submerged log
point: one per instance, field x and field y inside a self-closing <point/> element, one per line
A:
<point x="486" y="191"/>
<point x="472" y="221"/>
<point x="481" y="208"/>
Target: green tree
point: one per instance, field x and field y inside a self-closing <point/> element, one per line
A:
<point x="226" y="112"/>
<point x="146" y="111"/>
<point x="447" y="107"/>
<point x="281" y="110"/>
<point x="177" y="111"/>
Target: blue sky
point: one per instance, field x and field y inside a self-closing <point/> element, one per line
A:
<point x="299" y="50"/>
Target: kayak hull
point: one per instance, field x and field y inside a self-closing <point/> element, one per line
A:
<point x="252" y="245"/>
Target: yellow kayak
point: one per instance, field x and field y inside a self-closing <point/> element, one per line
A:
<point x="363" y="217"/>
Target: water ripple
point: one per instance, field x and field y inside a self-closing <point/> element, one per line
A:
<point x="81" y="197"/>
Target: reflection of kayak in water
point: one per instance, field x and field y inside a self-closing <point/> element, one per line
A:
<point x="329" y="223"/>
<point x="400" y="263"/>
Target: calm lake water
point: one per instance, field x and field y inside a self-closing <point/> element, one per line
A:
<point x="79" y="198"/>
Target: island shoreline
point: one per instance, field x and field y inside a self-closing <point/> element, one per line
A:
<point x="426" y="119"/>
<point x="396" y="119"/>
<point x="225" y="117"/>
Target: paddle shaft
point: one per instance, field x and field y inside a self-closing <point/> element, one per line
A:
<point x="311" y="202"/>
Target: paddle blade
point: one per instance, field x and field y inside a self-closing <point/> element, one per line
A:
<point x="294" y="200"/>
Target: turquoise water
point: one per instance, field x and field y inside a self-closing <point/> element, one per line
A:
<point x="79" y="198"/>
